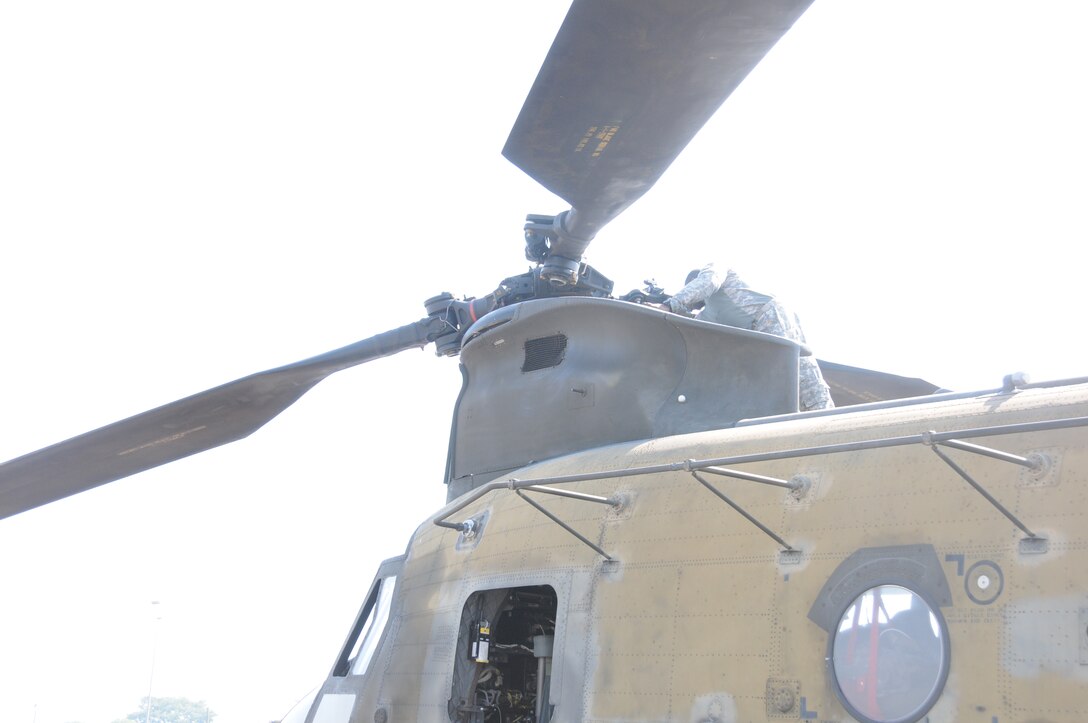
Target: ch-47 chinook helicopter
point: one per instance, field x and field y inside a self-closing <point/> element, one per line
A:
<point x="640" y="526"/>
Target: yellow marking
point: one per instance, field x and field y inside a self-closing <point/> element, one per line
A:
<point x="605" y="137"/>
<point x="163" y="440"/>
<point x="602" y="134"/>
<point x="585" y="139"/>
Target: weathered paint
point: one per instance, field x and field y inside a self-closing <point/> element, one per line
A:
<point x="701" y="619"/>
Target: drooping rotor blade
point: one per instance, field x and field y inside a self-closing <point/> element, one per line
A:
<point x="854" y="385"/>
<point x="188" y="426"/>
<point x="626" y="85"/>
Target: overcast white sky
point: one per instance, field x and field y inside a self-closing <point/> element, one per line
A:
<point x="191" y="192"/>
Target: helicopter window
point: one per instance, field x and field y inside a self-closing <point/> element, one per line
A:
<point x="890" y="655"/>
<point x="544" y="352"/>
<point x="371" y="631"/>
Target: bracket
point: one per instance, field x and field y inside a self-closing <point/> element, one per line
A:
<point x="613" y="502"/>
<point x="721" y="495"/>
<point x="930" y="440"/>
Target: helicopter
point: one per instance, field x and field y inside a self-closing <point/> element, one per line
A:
<point x="219" y="377"/>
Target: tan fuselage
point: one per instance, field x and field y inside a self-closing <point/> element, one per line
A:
<point x="700" y="615"/>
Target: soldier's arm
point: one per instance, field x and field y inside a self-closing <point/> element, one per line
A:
<point x="696" y="292"/>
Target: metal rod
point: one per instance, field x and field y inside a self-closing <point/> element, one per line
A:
<point x="981" y="491"/>
<point x="746" y="516"/>
<point x="573" y="495"/>
<point x="541" y="666"/>
<point x="1045" y="426"/>
<point x="909" y="402"/>
<point x="994" y="453"/>
<point x="808" y="451"/>
<point x="774" y="482"/>
<point x="562" y="524"/>
<point x="513" y="483"/>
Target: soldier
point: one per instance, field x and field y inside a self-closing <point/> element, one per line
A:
<point x="732" y="302"/>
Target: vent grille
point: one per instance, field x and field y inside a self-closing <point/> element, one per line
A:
<point x="544" y="352"/>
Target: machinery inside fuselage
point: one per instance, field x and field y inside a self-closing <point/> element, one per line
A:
<point x="503" y="671"/>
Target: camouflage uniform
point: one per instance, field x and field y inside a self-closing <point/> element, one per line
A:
<point x="733" y="303"/>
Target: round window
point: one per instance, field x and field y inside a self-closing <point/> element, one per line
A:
<point x="889" y="655"/>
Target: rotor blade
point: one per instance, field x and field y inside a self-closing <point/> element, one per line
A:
<point x="626" y="85"/>
<point x="854" y="385"/>
<point x="194" y="424"/>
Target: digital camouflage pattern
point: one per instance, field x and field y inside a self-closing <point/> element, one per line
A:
<point x="734" y="303"/>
